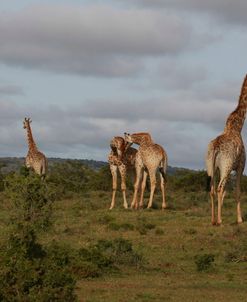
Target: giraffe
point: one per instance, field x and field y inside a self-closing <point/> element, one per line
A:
<point x="226" y="153"/>
<point x="121" y="157"/>
<point x="150" y="157"/>
<point x="34" y="159"/>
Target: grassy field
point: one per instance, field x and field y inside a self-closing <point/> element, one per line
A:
<point x="171" y="242"/>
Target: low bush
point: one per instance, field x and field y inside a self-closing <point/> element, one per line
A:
<point x="28" y="270"/>
<point x="204" y="262"/>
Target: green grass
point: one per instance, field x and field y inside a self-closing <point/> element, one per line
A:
<point x="170" y="241"/>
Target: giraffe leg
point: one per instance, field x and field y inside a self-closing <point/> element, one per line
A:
<point x="238" y="193"/>
<point x="163" y="183"/>
<point x="212" y="194"/>
<point x="113" y="169"/>
<point x="122" y="170"/>
<point x="221" y="194"/>
<point x="134" y="203"/>
<point x="143" y="186"/>
<point x="153" y="185"/>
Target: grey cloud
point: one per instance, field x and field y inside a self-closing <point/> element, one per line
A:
<point x="179" y="76"/>
<point x="225" y="10"/>
<point x="182" y="124"/>
<point x="8" y="90"/>
<point x="183" y="107"/>
<point x="90" y="40"/>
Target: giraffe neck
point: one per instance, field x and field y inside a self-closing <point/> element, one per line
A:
<point x="236" y="119"/>
<point x="142" y="140"/>
<point x="31" y="144"/>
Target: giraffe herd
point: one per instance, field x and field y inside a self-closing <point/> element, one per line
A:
<point x="226" y="153"/>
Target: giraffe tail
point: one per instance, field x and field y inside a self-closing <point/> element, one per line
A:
<point x="163" y="167"/>
<point x="208" y="186"/>
<point x="44" y="168"/>
<point x="210" y="178"/>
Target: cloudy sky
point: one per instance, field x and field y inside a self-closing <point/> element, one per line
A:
<point x="85" y="71"/>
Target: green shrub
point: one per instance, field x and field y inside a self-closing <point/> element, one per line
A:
<point x="70" y="177"/>
<point x="28" y="270"/>
<point x="143" y="226"/>
<point x="123" y="227"/>
<point x="204" y="262"/>
<point x="159" y="231"/>
<point x="120" y="251"/>
<point x="30" y="201"/>
<point x="114" y="226"/>
<point x="127" y="226"/>
<point x="106" y="256"/>
<point x="106" y="219"/>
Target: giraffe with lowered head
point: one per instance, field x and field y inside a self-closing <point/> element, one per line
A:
<point x="121" y="157"/>
<point x="150" y="158"/>
<point x="226" y="153"/>
<point x="34" y="159"/>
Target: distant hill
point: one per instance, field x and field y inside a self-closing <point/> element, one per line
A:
<point x="10" y="164"/>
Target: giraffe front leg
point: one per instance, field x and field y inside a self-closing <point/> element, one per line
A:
<point x="134" y="204"/>
<point x="122" y="170"/>
<point x="113" y="169"/>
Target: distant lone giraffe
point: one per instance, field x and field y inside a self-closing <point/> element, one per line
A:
<point x="226" y="153"/>
<point x="34" y="159"/>
<point x="121" y="157"/>
<point x="150" y="158"/>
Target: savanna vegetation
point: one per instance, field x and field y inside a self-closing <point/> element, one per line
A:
<point x="59" y="241"/>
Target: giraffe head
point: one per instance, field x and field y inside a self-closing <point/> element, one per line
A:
<point x="137" y="138"/>
<point x="117" y="145"/>
<point x="26" y="122"/>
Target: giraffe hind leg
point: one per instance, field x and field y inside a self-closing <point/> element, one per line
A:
<point x="113" y="169"/>
<point x="163" y="182"/>
<point x="122" y="170"/>
<point x="238" y="193"/>
<point x="153" y="185"/>
<point x="221" y="195"/>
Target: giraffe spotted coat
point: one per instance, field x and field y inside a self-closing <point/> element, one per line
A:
<point x="35" y="159"/>
<point x="150" y="158"/>
<point x="121" y="158"/>
<point x="226" y="153"/>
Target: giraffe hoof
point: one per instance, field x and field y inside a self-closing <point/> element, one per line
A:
<point x="240" y="221"/>
<point x="218" y="224"/>
<point x="213" y="223"/>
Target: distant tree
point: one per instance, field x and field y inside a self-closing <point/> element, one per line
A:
<point x="70" y="176"/>
<point x="188" y="181"/>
